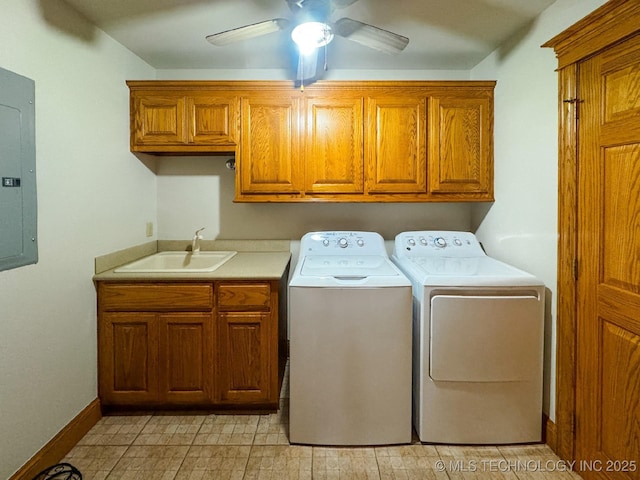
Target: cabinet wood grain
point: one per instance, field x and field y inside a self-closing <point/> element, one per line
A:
<point x="365" y="141"/>
<point x="397" y="146"/>
<point x="191" y="344"/>
<point x="460" y="145"/>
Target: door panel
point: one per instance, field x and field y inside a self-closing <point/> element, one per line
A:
<point x="128" y="358"/>
<point x="334" y="145"/>
<point x="621" y="199"/>
<point x="397" y="153"/>
<point x="270" y="145"/>
<point x="608" y="316"/>
<point x="620" y="392"/>
<point x="460" y="144"/>
<point x="186" y="359"/>
<point x="159" y="119"/>
<point x="213" y="120"/>
<point x="486" y="338"/>
<point x="244" y="354"/>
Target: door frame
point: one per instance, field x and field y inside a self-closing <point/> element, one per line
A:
<point x="610" y="24"/>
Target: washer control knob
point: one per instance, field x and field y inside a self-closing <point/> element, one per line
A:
<point x="439" y="242"/>
<point x="411" y="242"/>
<point x="457" y="242"/>
<point x="343" y="243"/>
<point x="423" y="241"/>
<point x="325" y="242"/>
<point x="360" y="242"/>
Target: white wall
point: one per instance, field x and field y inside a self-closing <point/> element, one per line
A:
<point x="521" y="226"/>
<point x="93" y="197"/>
<point x="196" y="192"/>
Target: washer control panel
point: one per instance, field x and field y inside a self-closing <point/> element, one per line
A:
<point x="342" y="243"/>
<point x="436" y="243"/>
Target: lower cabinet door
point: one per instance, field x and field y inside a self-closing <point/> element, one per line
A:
<point x="244" y="358"/>
<point x="128" y="358"/>
<point x="156" y="358"/>
<point x="186" y="373"/>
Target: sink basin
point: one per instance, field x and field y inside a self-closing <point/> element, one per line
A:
<point x="176" y="262"/>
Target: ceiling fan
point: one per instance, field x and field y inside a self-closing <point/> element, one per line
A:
<point x="311" y="29"/>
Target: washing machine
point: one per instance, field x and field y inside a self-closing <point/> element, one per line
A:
<point x="350" y="343"/>
<point x="478" y="329"/>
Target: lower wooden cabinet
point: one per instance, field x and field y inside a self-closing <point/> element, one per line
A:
<point x="186" y="344"/>
<point x="244" y="352"/>
<point x="156" y="358"/>
<point x="190" y="344"/>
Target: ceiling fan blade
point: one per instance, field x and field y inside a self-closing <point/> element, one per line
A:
<point x="370" y="36"/>
<point x="248" y="31"/>
<point x="343" y="3"/>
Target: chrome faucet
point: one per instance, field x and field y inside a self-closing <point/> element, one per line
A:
<point x="195" y="243"/>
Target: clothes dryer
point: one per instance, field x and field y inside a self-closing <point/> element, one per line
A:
<point x="478" y="328"/>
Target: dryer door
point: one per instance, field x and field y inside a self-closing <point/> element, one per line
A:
<point x="486" y="338"/>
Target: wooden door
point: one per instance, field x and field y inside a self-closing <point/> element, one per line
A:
<point x="334" y="147"/>
<point x="397" y="145"/>
<point x="186" y="374"/>
<point x="128" y="358"/>
<point x="608" y="285"/>
<point x="245" y="357"/>
<point x="269" y="146"/>
<point x="158" y="119"/>
<point x="212" y="120"/>
<point x="461" y="144"/>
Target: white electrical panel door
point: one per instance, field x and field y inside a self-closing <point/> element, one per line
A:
<point x="18" y="206"/>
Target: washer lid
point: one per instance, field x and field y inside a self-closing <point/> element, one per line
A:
<point x="464" y="271"/>
<point x="347" y="266"/>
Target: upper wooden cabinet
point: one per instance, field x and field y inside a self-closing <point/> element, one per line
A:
<point x="333" y="144"/>
<point x="460" y="147"/>
<point x="183" y="121"/>
<point x="368" y="141"/>
<point x="396" y="146"/>
<point x="268" y="162"/>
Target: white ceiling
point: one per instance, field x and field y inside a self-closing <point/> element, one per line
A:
<point x="444" y="34"/>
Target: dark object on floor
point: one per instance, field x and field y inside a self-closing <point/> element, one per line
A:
<point x="61" y="471"/>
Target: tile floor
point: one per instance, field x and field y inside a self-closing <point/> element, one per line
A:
<point x="255" y="447"/>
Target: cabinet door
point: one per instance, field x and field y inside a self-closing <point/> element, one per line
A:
<point x="186" y="357"/>
<point x="128" y="358"/>
<point x="212" y="120"/>
<point x="245" y="357"/>
<point x="461" y="145"/>
<point x="269" y="146"/>
<point x="157" y="119"/>
<point x="397" y="153"/>
<point x="334" y="145"/>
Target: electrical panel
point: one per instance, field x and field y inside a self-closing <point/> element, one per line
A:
<point x="18" y="201"/>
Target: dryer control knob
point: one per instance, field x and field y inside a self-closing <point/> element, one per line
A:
<point x="440" y="242"/>
<point x="343" y="243"/>
<point x="360" y="242"/>
<point x="411" y="242"/>
<point x="325" y="242"/>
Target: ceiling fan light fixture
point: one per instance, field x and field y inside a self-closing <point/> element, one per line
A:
<point x="311" y="35"/>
